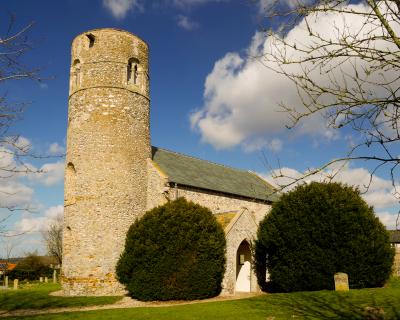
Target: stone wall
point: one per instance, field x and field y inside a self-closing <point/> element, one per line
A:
<point x="242" y="228"/>
<point x="108" y="144"/>
<point x="396" y="263"/>
<point x="159" y="191"/>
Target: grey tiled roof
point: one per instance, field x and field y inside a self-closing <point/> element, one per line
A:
<point x="193" y="172"/>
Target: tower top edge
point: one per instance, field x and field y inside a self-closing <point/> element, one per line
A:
<point x="111" y="30"/>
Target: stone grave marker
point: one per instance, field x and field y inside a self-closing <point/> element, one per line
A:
<point x="6" y="282"/>
<point x="15" y="284"/>
<point x="46" y="280"/>
<point x="41" y="279"/>
<point x="54" y="276"/>
<point x="341" y="281"/>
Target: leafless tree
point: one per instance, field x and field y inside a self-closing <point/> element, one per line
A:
<point x="8" y="246"/>
<point x="14" y="44"/>
<point x="53" y="239"/>
<point x="351" y="77"/>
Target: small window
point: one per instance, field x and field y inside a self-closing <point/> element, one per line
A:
<point x="91" y="39"/>
<point x="132" y="76"/>
<point x="76" y="69"/>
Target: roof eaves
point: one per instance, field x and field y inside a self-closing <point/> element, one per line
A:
<point x="267" y="201"/>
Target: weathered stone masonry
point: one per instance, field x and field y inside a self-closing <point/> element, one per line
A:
<point x="108" y="144"/>
<point x="112" y="175"/>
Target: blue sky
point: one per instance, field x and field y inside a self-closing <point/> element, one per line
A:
<point x="210" y="98"/>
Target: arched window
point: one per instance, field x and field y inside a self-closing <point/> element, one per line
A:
<point x="91" y="39"/>
<point x="70" y="181"/>
<point x="243" y="268"/>
<point x="76" y="77"/>
<point x="132" y="71"/>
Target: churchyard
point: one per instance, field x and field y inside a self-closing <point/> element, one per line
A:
<point x="384" y="303"/>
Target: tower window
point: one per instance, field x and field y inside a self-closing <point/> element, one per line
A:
<point x="132" y="71"/>
<point x="91" y="39"/>
<point x="76" y="68"/>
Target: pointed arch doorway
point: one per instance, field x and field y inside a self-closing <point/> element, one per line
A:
<point x="243" y="268"/>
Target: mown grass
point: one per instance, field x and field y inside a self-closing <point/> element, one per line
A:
<point x="300" y="305"/>
<point x="36" y="296"/>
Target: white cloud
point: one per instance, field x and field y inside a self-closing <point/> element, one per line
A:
<point x="264" y="5"/>
<point x="56" y="149"/>
<point x="275" y="145"/>
<point x="49" y="174"/>
<point x="185" y="23"/>
<point x="377" y="192"/>
<point x="14" y="194"/>
<point x="120" y="8"/>
<point x="388" y="219"/>
<point x="31" y="223"/>
<point x="242" y="95"/>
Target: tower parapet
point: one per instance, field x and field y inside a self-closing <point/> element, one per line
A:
<point x="108" y="144"/>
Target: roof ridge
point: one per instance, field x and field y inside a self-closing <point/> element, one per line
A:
<point x="211" y="162"/>
<point x="264" y="180"/>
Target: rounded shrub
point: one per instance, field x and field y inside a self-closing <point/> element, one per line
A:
<point x="174" y="252"/>
<point x="317" y="230"/>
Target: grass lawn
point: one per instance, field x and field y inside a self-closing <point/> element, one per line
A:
<point x="36" y="296"/>
<point x="300" y="305"/>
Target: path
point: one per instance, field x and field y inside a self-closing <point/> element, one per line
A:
<point x="125" y="302"/>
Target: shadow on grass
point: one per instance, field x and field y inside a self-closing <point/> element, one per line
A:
<point x="336" y="305"/>
<point x="38" y="297"/>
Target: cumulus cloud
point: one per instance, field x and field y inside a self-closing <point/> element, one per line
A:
<point x="243" y="95"/>
<point x="49" y="174"/>
<point x="274" y="145"/>
<point x="185" y="23"/>
<point x="264" y="5"/>
<point x="56" y="149"/>
<point x="120" y="8"/>
<point x="377" y="192"/>
<point x="32" y="223"/>
<point x="14" y="194"/>
<point x="388" y="219"/>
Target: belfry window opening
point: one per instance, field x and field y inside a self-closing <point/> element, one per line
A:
<point x="76" y="68"/>
<point x="132" y="71"/>
<point x="91" y="39"/>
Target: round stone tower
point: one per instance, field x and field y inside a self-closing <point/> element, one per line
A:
<point x="108" y="143"/>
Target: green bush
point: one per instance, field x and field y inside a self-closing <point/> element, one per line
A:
<point x="175" y="252"/>
<point x="32" y="267"/>
<point x="317" y="230"/>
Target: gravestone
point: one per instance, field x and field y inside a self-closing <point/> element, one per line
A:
<point x="41" y="279"/>
<point x="341" y="281"/>
<point x="54" y="276"/>
<point x="6" y="282"/>
<point x="46" y="280"/>
<point x="15" y="284"/>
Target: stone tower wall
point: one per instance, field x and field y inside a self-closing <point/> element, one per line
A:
<point x="108" y="144"/>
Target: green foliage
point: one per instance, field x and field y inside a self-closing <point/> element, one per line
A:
<point x="317" y="230"/>
<point x="32" y="267"/>
<point x="175" y="252"/>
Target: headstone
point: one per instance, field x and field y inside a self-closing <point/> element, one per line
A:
<point x="341" y="281"/>
<point x="41" y="279"/>
<point x="54" y="276"/>
<point x="46" y="280"/>
<point x="15" y="284"/>
<point x="6" y="282"/>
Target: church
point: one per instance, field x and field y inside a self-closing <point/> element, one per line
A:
<point x="114" y="175"/>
